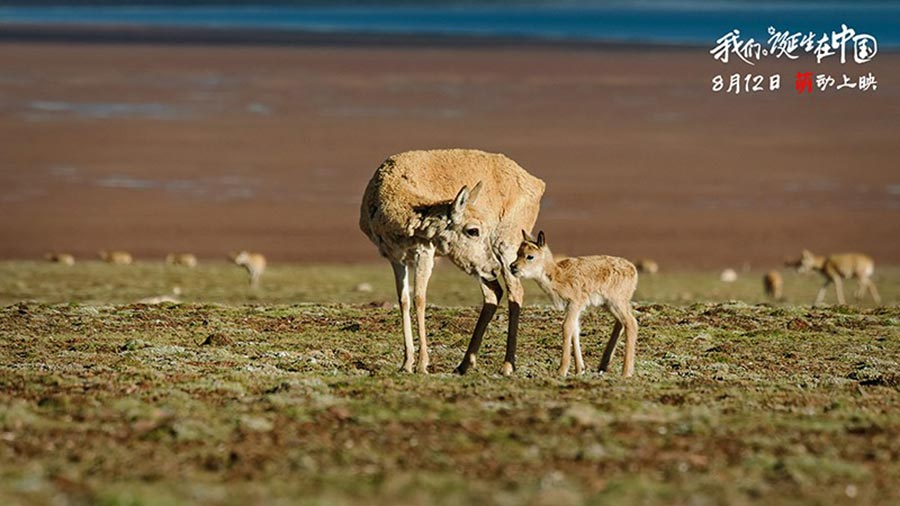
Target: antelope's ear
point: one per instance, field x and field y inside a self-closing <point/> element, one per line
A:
<point x="542" y="241"/>
<point x="473" y="195"/>
<point x="459" y="204"/>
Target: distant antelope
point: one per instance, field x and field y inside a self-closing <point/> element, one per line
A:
<point x="60" y="258"/>
<point x="254" y="263"/>
<point x="185" y="259"/>
<point x="773" y="284"/>
<point x="116" y="257"/>
<point x="576" y="283"/>
<point x="647" y="266"/>
<point x="836" y="268"/>
<point x="467" y="205"/>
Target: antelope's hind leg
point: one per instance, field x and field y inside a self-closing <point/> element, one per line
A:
<point x="623" y="313"/>
<point x="611" y="346"/>
<point x="873" y="291"/>
<point x="401" y="279"/>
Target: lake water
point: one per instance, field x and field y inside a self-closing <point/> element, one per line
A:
<point x="662" y="22"/>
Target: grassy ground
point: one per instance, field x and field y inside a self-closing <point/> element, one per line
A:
<point x="99" y="283"/>
<point x="237" y="397"/>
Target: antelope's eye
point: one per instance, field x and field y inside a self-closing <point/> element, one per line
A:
<point x="473" y="232"/>
<point x="529" y="257"/>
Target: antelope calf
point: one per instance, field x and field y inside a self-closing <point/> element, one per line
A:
<point x="116" y="257"/>
<point x="835" y="269"/>
<point x="578" y="282"/>
<point x="254" y="263"/>
<point x="184" y="259"/>
<point x="773" y="284"/>
<point x="60" y="258"/>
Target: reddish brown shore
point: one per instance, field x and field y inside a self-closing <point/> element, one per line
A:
<point x="210" y="148"/>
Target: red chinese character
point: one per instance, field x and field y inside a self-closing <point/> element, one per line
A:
<point x="804" y="82"/>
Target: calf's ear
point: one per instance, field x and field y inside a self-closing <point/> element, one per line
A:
<point x="542" y="241"/>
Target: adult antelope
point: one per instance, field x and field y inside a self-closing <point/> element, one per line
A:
<point x="467" y="205"/>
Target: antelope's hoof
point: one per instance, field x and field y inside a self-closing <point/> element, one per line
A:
<point x="422" y="369"/>
<point x="464" y="365"/>
<point x="406" y="367"/>
<point x="562" y="373"/>
<point x="507" y="369"/>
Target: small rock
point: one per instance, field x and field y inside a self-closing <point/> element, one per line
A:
<point x="364" y="288"/>
<point x="256" y="424"/>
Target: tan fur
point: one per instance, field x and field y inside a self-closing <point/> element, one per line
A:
<point x="183" y="259"/>
<point x="578" y="282"/>
<point x="60" y="258"/>
<point x="420" y="204"/>
<point x="253" y="263"/>
<point x="647" y="266"/>
<point x="773" y="284"/>
<point x="116" y="257"/>
<point x="836" y="268"/>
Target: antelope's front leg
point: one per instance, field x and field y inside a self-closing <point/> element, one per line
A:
<point x="516" y="297"/>
<point x="839" y="290"/>
<point x="579" y="359"/>
<point x="820" y="297"/>
<point x="492" y="292"/>
<point x="569" y="328"/>
<point x="424" y="266"/>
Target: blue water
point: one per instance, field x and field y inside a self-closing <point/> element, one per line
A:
<point x="660" y="22"/>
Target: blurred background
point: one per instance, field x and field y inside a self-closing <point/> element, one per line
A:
<point x="210" y="127"/>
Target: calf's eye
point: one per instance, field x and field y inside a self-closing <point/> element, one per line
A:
<point x="529" y="257"/>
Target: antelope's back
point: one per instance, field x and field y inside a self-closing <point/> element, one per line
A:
<point x="509" y="200"/>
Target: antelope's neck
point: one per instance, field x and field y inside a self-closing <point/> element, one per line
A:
<point x="548" y="281"/>
<point x="819" y="262"/>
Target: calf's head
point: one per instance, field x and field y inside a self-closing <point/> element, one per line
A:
<point x="532" y="257"/>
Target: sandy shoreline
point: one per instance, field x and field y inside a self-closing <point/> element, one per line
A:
<point x="210" y="148"/>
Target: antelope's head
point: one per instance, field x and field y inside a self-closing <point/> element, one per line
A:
<point x="806" y="263"/>
<point x="532" y="257"/>
<point x="460" y="231"/>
